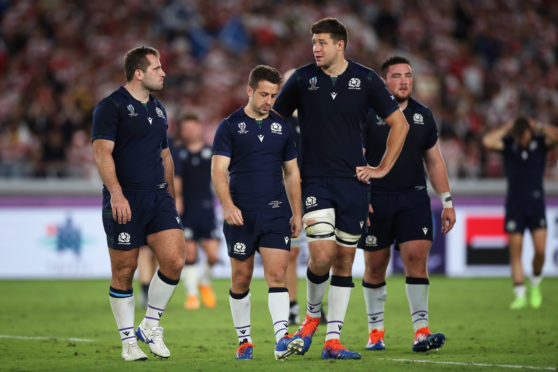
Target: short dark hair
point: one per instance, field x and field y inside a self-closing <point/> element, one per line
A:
<point x="189" y="116"/>
<point x="264" y="72"/>
<point x="520" y="125"/>
<point x="395" y="60"/>
<point x="136" y="59"/>
<point x="331" y="26"/>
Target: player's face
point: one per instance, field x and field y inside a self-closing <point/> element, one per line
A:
<point x="399" y="81"/>
<point x="154" y="76"/>
<point x="191" y="130"/>
<point x="325" y="49"/>
<point x="262" y="98"/>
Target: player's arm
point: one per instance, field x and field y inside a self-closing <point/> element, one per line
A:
<point x="168" y="165"/>
<point x="220" y="179"/>
<point x="395" y="141"/>
<point x="549" y="131"/>
<point x="102" y="150"/>
<point x="291" y="175"/>
<point x="438" y="175"/>
<point x="494" y="139"/>
<point x="178" y="199"/>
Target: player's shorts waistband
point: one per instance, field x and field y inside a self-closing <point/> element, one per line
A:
<point x="412" y="190"/>
<point x="157" y="187"/>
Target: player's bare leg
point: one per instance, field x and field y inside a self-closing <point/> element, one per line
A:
<point x="169" y="248"/>
<point x="122" y="302"/>
<point x="539" y="243"/>
<point x="211" y="249"/>
<point x="516" y="248"/>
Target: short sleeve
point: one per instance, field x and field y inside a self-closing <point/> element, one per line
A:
<point x="105" y="120"/>
<point x="222" y="143"/>
<point x="379" y="97"/>
<point x="289" y="151"/>
<point x="288" y="99"/>
<point x="433" y="138"/>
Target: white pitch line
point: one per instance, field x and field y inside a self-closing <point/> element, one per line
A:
<point x="470" y="364"/>
<point x="47" y="338"/>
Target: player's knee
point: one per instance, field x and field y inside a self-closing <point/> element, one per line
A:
<point x="346" y="239"/>
<point x="320" y="225"/>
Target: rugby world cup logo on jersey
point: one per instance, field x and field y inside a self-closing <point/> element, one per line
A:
<point x="132" y="112"/>
<point x="159" y="112"/>
<point x="276" y="128"/>
<point x="313" y="81"/>
<point x="242" y="127"/>
<point x="418" y="119"/>
<point x="354" y="83"/>
<point x="239" y="248"/>
<point x="310" y="202"/>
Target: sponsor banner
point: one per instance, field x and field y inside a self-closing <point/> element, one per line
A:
<point x="478" y="244"/>
<point x="53" y="242"/>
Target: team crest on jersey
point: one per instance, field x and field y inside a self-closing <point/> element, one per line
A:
<point x="132" y="112"/>
<point x="354" y="83"/>
<point x="418" y="119"/>
<point x="242" y="127"/>
<point x="313" y="81"/>
<point x="276" y="128"/>
<point x="159" y="112"/>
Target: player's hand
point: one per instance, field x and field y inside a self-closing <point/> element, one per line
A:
<point x="365" y="172"/>
<point x="448" y="219"/>
<point x="296" y="226"/>
<point x="121" y="211"/>
<point x="233" y="215"/>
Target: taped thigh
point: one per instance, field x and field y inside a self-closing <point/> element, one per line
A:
<point x="322" y="225"/>
<point x="346" y="239"/>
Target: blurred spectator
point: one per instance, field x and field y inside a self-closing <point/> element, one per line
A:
<point x="477" y="70"/>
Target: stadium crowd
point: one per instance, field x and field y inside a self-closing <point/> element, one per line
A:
<point x="477" y="64"/>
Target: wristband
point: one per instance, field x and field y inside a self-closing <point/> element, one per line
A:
<point x="446" y="199"/>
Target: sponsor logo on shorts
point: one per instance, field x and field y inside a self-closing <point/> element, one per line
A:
<point x="124" y="238"/>
<point x="188" y="233"/>
<point x="276" y="128"/>
<point x="418" y="119"/>
<point x="361" y="223"/>
<point x="354" y="83"/>
<point x="239" y="248"/>
<point x="310" y="202"/>
<point x="425" y="230"/>
<point x="371" y="241"/>
<point x="511" y="225"/>
<point x="286" y="240"/>
<point x="178" y="220"/>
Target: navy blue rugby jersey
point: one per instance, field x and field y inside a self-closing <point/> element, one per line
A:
<point x="408" y="171"/>
<point x="257" y="152"/>
<point x="525" y="167"/>
<point x="332" y="115"/>
<point x="139" y="134"/>
<point x="194" y="168"/>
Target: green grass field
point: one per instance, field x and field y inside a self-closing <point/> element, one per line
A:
<point x="482" y="334"/>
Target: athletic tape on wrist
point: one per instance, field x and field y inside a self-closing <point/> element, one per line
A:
<point x="446" y="199"/>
